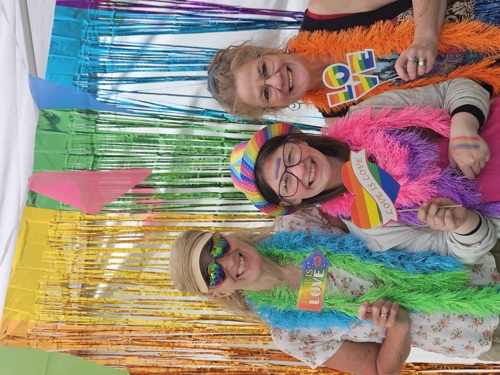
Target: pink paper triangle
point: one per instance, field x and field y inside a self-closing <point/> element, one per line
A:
<point x="88" y="191"/>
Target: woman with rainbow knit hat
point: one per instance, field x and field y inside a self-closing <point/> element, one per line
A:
<point x="448" y="200"/>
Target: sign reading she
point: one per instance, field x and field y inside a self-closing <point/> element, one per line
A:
<point x="375" y="191"/>
<point x="313" y="283"/>
<point x="352" y="81"/>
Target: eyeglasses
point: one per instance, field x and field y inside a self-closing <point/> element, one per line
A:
<point x="217" y="247"/>
<point x="289" y="183"/>
<point x="268" y="94"/>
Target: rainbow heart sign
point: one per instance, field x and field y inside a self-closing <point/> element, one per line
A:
<point x="351" y="81"/>
<point x="374" y="189"/>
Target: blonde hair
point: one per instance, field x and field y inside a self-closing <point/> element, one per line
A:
<point x="235" y="302"/>
<point x="222" y="82"/>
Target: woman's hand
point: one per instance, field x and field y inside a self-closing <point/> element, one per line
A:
<point x="469" y="154"/>
<point x="467" y="149"/>
<point x="386" y="358"/>
<point x="418" y="59"/>
<point x="383" y="313"/>
<point x="439" y="217"/>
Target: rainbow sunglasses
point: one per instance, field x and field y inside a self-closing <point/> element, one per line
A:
<point x="214" y="274"/>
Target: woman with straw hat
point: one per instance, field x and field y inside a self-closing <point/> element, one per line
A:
<point x="373" y="306"/>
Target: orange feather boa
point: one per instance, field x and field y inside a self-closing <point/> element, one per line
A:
<point x="385" y="39"/>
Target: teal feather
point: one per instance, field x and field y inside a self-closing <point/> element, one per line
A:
<point x="303" y="242"/>
<point x="425" y="282"/>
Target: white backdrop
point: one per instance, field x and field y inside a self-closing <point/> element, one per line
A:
<point x="25" y="27"/>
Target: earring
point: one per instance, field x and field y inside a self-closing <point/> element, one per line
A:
<point x="294" y="107"/>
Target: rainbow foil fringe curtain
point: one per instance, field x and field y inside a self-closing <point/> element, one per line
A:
<point x="97" y="286"/>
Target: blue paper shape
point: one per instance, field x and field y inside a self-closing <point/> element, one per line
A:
<point x="315" y="261"/>
<point x="51" y="95"/>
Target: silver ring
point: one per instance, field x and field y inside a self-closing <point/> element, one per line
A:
<point x="385" y="316"/>
<point x="412" y="60"/>
<point x="422" y="61"/>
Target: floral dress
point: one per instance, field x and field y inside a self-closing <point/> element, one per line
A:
<point x="309" y="219"/>
<point x="453" y="335"/>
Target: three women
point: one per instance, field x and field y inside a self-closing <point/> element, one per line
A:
<point x="297" y="171"/>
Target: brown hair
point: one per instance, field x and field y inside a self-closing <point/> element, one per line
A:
<point x="222" y="82"/>
<point x="326" y="145"/>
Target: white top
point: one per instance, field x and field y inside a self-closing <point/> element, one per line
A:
<point x="452" y="335"/>
<point x="467" y="249"/>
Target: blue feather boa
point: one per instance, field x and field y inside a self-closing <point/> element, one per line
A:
<point x="279" y="247"/>
<point x="305" y="243"/>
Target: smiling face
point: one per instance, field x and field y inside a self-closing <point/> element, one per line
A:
<point x="292" y="78"/>
<point x="243" y="266"/>
<point x="315" y="173"/>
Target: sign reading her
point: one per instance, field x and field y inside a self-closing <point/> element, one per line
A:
<point x="350" y="82"/>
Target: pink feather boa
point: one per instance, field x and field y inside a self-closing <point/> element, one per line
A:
<point x="366" y="129"/>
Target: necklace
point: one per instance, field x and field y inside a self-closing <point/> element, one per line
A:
<point x="293" y="274"/>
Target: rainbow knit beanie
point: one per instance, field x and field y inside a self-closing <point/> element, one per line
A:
<point x="242" y="163"/>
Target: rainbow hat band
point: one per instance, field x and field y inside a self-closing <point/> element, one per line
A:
<point x="242" y="163"/>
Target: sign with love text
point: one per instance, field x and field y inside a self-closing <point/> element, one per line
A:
<point x="313" y="283"/>
<point x="352" y="80"/>
<point x="374" y="189"/>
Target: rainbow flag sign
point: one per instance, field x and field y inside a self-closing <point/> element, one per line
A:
<point x="313" y="283"/>
<point x="374" y="189"/>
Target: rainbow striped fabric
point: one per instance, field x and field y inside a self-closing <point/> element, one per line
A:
<point x="242" y="163"/>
